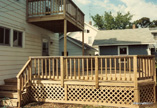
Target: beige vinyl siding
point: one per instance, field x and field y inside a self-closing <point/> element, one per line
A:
<point x="12" y="59"/>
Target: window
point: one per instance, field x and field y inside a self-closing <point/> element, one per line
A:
<point x="89" y="40"/>
<point x="88" y="31"/>
<point x="4" y="36"/>
<point x="17" y="38"/>
<point x="123" y="50"/>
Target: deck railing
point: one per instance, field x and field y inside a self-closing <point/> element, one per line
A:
<point x="87" y="68"/>
<point x="37" y="8"/>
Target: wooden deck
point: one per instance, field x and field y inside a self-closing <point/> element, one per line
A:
<point x="50" y="14"/>
<point x="104" y="80"/>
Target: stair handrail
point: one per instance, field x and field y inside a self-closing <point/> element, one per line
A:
<point x="23" y="68"/>
<point x="20" y="85"/>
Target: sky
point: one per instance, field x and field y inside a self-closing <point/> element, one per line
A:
<point x="138" y="8"/>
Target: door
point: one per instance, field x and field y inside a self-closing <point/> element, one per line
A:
<point x="45" y="48"/>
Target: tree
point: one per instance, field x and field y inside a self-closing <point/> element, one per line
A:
<point x="153" y="24"/>
<point x="98" y="21"/>
<point x="109" y="22"/>
<point x="143" y="22"/>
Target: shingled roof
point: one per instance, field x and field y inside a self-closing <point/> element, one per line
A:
<point x="123" y="37"/>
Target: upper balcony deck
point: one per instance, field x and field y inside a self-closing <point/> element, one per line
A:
<point x="50" y="14"/>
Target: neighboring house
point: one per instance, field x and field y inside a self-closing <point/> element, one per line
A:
<point x="89" y="34"/>
<point x="19" y="39"/>
<point x="124" y="42"/>
<point x="75" y="47"/>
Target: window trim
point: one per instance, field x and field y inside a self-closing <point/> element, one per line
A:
<point x="17" y="46"/>
<point x="127" y="50"/>
<point x="3" y="44"/>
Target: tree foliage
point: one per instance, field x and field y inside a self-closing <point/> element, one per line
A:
<point x="109" y="22"/>
<point x="145" y="22"/>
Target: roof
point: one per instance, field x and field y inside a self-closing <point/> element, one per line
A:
<point x="79" y="43"/>
<point x="153" y="30"/>
<point x="91" y="26"/>
<point x="124" y="37"/>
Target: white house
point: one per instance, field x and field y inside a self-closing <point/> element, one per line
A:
<point x="89" y="34"/>
<point x="19" y="39"/>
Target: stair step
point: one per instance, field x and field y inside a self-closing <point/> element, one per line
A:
<point x="11" y="81"/>
<point x="8" y="94"/>
<point x="8" y="102"/>
<point x="8" y="87"/>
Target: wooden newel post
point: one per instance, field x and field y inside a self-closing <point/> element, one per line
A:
<point x="96" y="73"/>
<point x="62" y="71"/>
<point x="19" y="91"/>
<point x="136" y="87"/>
<point x="30" y="69"/>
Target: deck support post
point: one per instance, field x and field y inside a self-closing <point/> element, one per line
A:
<point x="19" y="92"/>
<point x="65" y="37"/>
<point x="83" y="42"/>
<point x="96" y="73"/>
<point x="136" y="87"/>
<point x="62" y="70"/>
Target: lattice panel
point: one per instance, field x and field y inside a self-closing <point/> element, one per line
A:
<point x="147" y="93"/>
<point x="47" y="91"/>
<point x="26" y="96"/>
<point x="106" y="94"/>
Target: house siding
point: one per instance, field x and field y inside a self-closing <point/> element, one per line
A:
<point x="138" y="50"/>
<point x="73" y="50"/>
<point x="133" y="50"/>
<point x="108" y="50"/>
<point x="12" y="58"/>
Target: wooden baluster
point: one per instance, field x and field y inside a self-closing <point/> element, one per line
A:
<point x="139" y="68"/>
<point x="92" y="68"/>
<point x="70" y="68"/>
<point x="32" y="9"/>
<point x="96" y="73"/>
<point x="49" y="68"/>
<point x="120" y="68"/>
<point x="19" y="91"/>
<point x="22" y="81"/>
<point x="83" y="68"/>
<point x="130" y="69"/>
<point x="149" y="66"/>
<point x="67" y="69"/>
<point x="106" y="68"/>
<point x="53" y="6"/>
<point x="25" y="77"/>
<point x="45" y="68"/>
<point x="101" y="69"/>
<point x="57" y="68"/>
<point x="42" y="68"/>
<point x="110" y="69"/>
<point x="79" y="68"/>
<point x="115" y="68"/>
<point x="62" y="70"/>
<point x="38" y="68"/>
<point x="53" y="68"/>
<point x="146" y="72"/>
<point x="87" y="69"/>
<point x="125" y="69"/>
<point x="74" y="68"/>
<point x="27" y="74"/>
<point x="144" y="68"/>
<point x="35" y="67"/>
<point x="40" y="7"/>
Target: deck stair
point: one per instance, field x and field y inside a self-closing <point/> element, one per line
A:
<point x="8" y="93"/>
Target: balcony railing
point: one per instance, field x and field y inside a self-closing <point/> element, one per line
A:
<point x="39" y="8"/>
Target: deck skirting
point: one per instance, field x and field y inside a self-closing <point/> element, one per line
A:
<point x="82" y="93"/>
